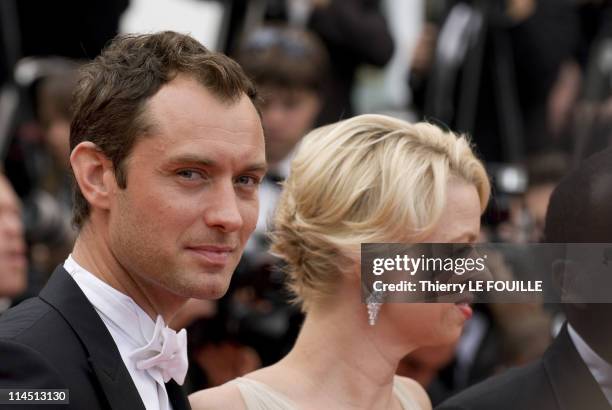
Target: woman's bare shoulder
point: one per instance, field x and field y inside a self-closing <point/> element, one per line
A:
<point x="226" y="396"/>
<point x="417" y="392"/>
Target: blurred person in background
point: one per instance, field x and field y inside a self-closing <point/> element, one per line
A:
<point x="13" y="261"/>
<point x="493" y="69"/>
<point x="33" y="35"/>
<point x="36" y="161"/>
<point x="55" y="114"/>
<point x="54" y="96"/>
<point x="354" y="32"/>
<point x="575" y="372"/>
<point x="349" y="184"/>
<point x="592" y="119"/>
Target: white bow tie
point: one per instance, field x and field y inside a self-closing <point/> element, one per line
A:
<point x="166" y="352"/>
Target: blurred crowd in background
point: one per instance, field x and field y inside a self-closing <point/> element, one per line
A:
<point x="529" y="80"/>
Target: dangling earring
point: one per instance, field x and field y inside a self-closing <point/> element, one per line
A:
<point x="374" y="302"/>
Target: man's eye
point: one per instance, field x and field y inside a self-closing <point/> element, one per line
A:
<point x="189" y="174"/>
<point x="247" y="180"/>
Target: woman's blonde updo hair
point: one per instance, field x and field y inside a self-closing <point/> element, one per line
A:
<point x="371" y="178"/>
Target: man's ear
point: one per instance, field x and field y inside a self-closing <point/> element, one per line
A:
<point x="94" y="173"/>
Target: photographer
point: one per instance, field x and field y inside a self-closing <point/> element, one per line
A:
<point x="493" y="69"/>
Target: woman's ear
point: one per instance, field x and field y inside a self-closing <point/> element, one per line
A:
<point x="91" y="170"/>
<point x="353" y="273"/>
<point x="353" y="278"/>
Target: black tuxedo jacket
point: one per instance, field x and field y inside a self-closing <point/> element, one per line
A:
<point x="558" y="381"/>
<point x="58" y="341"/>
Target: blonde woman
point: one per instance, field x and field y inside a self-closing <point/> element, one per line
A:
<point x="371" y="178"/>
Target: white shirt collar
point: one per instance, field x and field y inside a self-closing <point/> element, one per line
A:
<point x="599" y="368"/>
<point x="132" y="330"/>
<point x="112" y="305"/>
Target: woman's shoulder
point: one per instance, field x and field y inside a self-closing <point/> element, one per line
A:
<point x="415" y="390"/>
<point x="250" y="392"/>
<point x="226" y="396"/>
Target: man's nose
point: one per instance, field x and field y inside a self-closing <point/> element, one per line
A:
<point x="223" y="211"/>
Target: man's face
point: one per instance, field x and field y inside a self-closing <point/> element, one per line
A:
<point x="191" y="201"/>
<point x="13" y="264"/>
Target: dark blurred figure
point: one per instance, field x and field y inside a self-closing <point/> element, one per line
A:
<point x="354" y="32"/>
<point x="37" y="159"/>
<point x="54" y="96"/>
<point x="42" y="29"/>
<point x="575" y="373"/>
<point x="593" y="115"/>
<point x="13" y="262"/>
<point x="54" y="114"/>
<point x="68" y="28"/>
<point x="488" y="68"/>
<point x="32" y="34"/>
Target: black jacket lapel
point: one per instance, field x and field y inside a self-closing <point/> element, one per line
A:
<point x="66" y="297"/>
<point x="177" y="396"/>
<point x="573" y="384"/>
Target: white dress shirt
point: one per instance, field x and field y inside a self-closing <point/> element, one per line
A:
<point x="599" y="368"/>
<point x="130" y="327"/>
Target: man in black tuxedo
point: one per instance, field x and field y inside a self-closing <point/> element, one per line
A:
<point x="575" y="373"/>
<point x="167" y="154"/>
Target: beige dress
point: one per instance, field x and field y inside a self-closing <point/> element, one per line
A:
<point x="259" y="396"/>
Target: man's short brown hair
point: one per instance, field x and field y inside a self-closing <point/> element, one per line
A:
<point x="110" y="99"/>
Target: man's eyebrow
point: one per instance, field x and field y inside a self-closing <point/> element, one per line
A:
<point x="191" y="159"/>
<point x="257" y="167"/>
<point x="207" y="162"/>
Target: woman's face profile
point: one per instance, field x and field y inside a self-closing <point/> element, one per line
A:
<point x="440" y="323"/>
